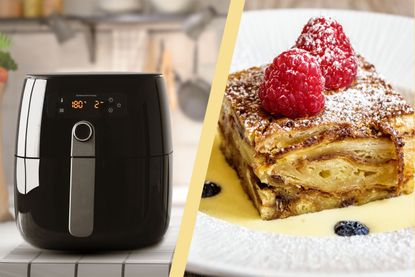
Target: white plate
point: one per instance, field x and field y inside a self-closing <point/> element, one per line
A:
<point x="221" y="248"/>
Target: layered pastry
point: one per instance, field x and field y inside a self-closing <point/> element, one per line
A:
<point x="358" y="149"/>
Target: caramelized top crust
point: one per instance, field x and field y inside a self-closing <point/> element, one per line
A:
<point x="363" y="106"/>
<point x="366" y="109"/>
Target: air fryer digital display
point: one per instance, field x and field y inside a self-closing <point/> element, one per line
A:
<point x="92" y="105"/>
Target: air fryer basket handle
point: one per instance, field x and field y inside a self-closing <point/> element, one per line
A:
<point x="82" y="180"/>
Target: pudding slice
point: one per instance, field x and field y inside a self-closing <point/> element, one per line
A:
<point x="360" y="148"/>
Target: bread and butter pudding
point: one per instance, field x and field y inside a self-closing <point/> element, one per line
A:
<point x="357" y="148"/>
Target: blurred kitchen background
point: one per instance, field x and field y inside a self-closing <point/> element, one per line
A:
<point x="179" y="38"/>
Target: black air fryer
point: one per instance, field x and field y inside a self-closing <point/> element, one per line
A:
<point x="93" y="161"/>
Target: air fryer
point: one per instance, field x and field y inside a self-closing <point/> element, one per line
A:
<point x="93" y="161"/>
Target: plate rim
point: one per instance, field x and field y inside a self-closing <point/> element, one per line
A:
<point x="293" y="10"/>
<point x="407" y="20"/>
<point x="201" y="266"/>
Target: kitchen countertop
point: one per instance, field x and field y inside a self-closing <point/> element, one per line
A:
<point x="17" y="258"/>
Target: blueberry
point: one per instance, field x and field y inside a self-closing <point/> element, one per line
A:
<point x="210" y="189"/>
<point x="347" y="228"/>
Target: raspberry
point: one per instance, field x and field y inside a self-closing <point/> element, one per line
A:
<point x="293" y="85"/>
<point x="323" y="32"/>
<point x="324" y="38"/>
<point x="339" y="69"/>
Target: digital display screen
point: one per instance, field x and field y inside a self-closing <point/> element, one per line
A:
<point x="78" y="104"/>
<point x="81" y="104"/>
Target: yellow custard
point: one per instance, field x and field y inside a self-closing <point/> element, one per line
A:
<point x="233" y="205"/>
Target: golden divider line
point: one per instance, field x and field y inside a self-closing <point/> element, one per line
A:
<point x="207" y="137"/>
